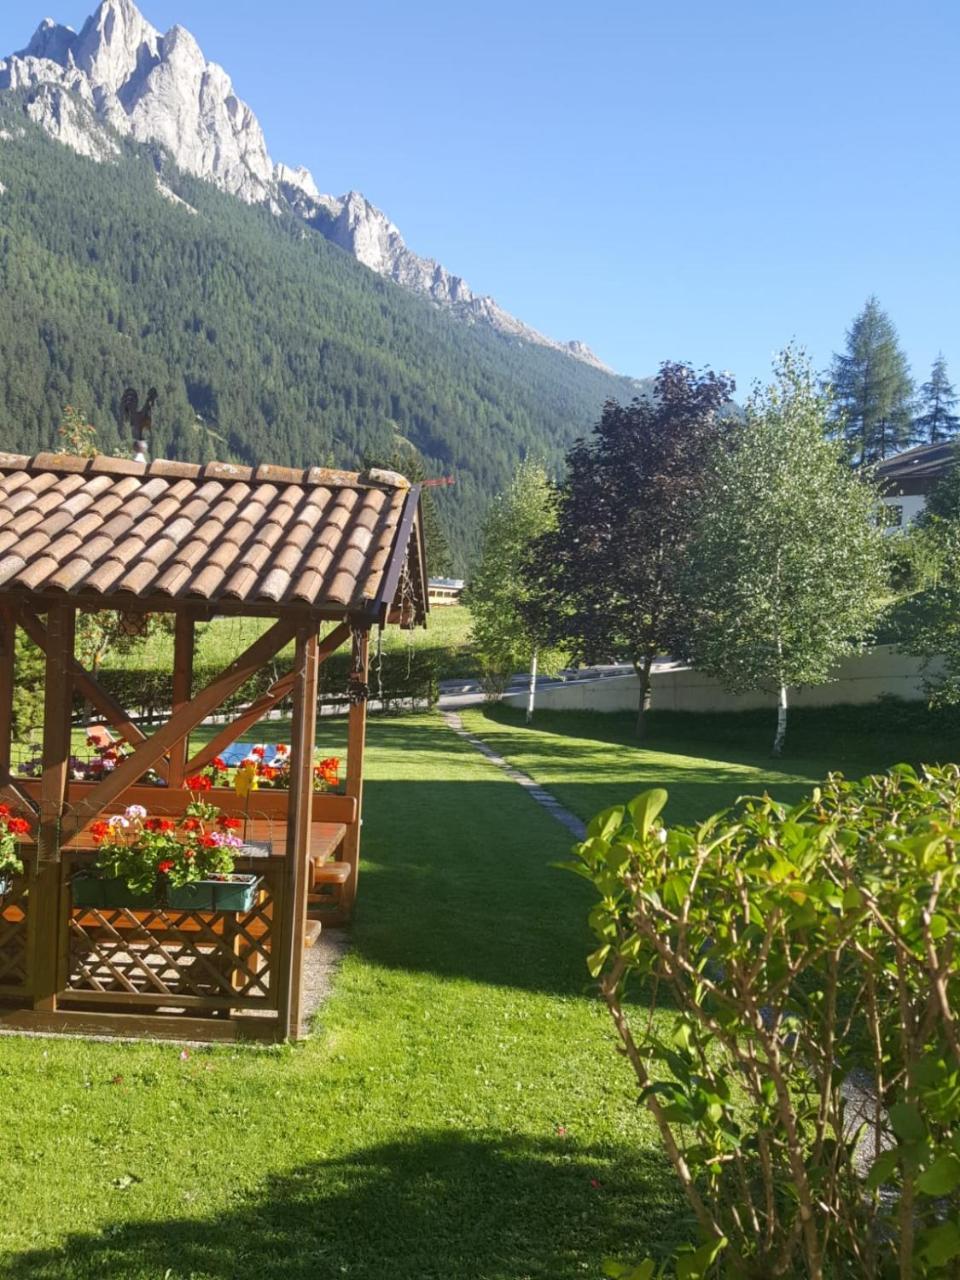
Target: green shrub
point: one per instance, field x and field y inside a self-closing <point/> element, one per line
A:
<point x="804" y="1067"/>
<point x="404" y="679"/>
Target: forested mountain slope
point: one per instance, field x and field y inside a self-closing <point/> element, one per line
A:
<point x="265" y="341"/>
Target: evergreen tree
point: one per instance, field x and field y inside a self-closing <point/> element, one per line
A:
<point x="408" y="461"/>
<point x="266" y="342"/>
<point x="872" y="388"/>
<point x="937" y="398"/>
<point x="786" y="567"/>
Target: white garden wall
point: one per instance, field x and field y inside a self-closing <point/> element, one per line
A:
<point x="862" y="679"/>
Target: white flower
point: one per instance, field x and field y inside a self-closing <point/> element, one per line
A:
<point x="135" y="811"/>
<point x="119" y="822"/>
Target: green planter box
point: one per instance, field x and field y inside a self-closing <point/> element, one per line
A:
<point x="239" y="893"/>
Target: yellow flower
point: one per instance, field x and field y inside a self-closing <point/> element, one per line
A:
<point x="245" y="780"/>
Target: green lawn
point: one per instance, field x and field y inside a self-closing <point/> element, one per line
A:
<point x="591" y="760"/>
<point x="459" y="1113"/>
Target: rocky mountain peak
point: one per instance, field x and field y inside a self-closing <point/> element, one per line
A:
<point x="51" y="40"/>
<point x="119" y="73"/>
<point x="115" y="43"/>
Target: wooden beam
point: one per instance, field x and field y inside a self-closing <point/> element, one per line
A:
<point x="57" y="716"/>
<point x="303" y="740"/>
<point x="140" y="1026"/>
<point x="181" y="723"/>
<point x="183" y="637"/>
<point x="45" y="922"/>
<point x="10" y="791"/>
<point x="356" y="739"/>
<point x="8" y="634"/>
<point x="277" y="691"/>
<point x="86" y="684"/>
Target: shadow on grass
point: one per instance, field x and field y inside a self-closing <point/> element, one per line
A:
<point x="441" y="1205"/>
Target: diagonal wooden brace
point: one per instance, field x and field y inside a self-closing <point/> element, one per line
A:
<point x="83" y="681"/>
<point x="183" y="721"/>
<point x="13" y="794"/>
<point x="277" y="691"/>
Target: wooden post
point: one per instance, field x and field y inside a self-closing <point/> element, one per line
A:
<point x="8" y="632"/>
<point x="182" y="691"/>
<point x="300" y="813"/>
<point x="356" y="737"/>
<point x="45" y="920"/>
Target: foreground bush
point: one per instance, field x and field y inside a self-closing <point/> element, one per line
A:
<point x="804" y="1072"/>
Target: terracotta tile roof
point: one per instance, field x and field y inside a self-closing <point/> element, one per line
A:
<point x="266" y="538"/>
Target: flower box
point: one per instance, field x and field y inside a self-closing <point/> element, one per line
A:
<point x="235" y="893"/>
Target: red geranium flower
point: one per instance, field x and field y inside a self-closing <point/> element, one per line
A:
<point x="19" y="826"/>
<point x="267" y="772"/>
<point x="218" y="762"/>
<point x="165" y="867"/>
<point x="198" y="783"/>
<point x="209" y="842"/>
<point x="4" y="811"/>
<point x="158" y="824"/>
<point x="259" y="752"/>
<point x="98" y="830"/>
<point x="191" y="824"/>
<point x="229" y="824"/>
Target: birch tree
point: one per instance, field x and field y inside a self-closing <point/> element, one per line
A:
<point x="785" y="570"/>
<point x="505" y="636"/>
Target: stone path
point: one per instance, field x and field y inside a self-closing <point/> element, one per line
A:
<point x="533" y="789"/>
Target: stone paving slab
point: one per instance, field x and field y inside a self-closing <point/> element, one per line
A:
<point x="533" y="789"/>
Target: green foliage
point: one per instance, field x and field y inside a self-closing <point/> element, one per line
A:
<point x="77" y="435"/>
<point x="400" y="678"/>
<point x="408" y="460"/>
<point x="806" y="955"/>
<point x="872" y="388"/>
<point x="936" y="421"/>
<point x="29" y="666"/>
<point x="943" y="501"/>
<point x="786" y="568"/>
<point x="928" y="622"/>
<point x="606" y="580"/>
<point x="504" y="636"/>
<point x="265" y="341"/>
<point x="914" y="558"/>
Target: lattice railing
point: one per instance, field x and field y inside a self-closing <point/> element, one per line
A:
<point x="167" y="957"/>
<point x="14" y="972"/>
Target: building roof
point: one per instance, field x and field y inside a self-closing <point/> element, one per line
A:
<point x="921" y="466"/>
<point x="267" y="540"/>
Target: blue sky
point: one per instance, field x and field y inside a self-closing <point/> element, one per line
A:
<point x="690" y="180"/>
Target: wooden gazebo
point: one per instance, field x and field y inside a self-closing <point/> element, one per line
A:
<point x="327" y="556"/>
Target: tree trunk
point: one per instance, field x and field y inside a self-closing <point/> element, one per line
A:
<point x="532" y="690"/>
<point x="781" y="722"/>
<point x="643" y="706"/>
